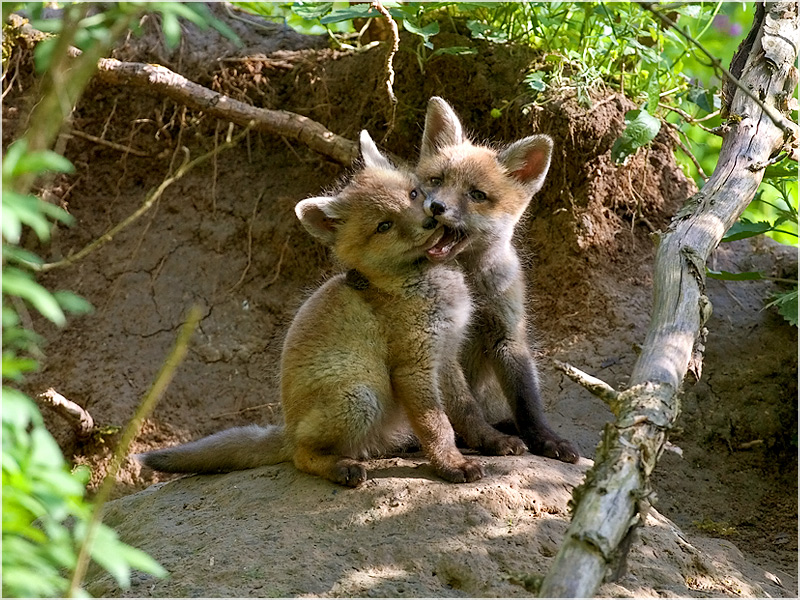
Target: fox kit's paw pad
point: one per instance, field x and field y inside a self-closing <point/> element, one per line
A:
<point x="467" y="471"/>
<point x="351" y="474"/>
<point x="503" y="445"/>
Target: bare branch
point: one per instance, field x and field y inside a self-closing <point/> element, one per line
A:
<point x="162" y="80"/>
<point x="78" y="416"/>
<point x="613" y="498"/>
<point x="596" y="386"/>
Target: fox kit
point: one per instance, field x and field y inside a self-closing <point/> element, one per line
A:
<point x="363" y="357"/>
<point x="481" y="193"/>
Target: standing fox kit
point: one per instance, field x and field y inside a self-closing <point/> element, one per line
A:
<point x="481" y="193"/>
<point x="364" y="355"/>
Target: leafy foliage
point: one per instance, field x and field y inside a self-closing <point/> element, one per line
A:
<point x="46" y="514"/>
<point x="585" y="46"/>
<point x="44" y="505"/>
<point x="588" y="46"/>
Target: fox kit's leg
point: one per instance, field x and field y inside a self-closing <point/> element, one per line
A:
<point x="334" y="467"/>
<point x="420" y="398"/>
<point x="467" y="416"/>
<point x="328" y="437"/>
<point x="516" y="371"/>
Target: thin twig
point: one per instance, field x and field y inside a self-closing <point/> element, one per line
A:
<point x="152" y="397"/>
<point x="80" y="418"/>
<point x="151" y="199"/>
<point x="390" y="65"/>
<point x="249" y="244"/>
<point x="101" y="141"/>
<point x="689" y="118"/>
<point x="686" y="150"/>
<point x="277" y="273"/>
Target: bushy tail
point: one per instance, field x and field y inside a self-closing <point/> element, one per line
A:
<point x="229" y="450"/>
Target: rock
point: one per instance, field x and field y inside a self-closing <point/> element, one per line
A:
<point x="274" y="531"/>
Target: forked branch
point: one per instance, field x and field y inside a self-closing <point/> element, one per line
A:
<point x="613" y="499"/>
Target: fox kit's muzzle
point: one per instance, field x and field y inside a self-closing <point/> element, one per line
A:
<point x="433" y="207"/>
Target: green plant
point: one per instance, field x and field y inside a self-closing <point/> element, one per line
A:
<point x="44" y="504"/>
<point x="587" y="46"/>
<point x="48" y="522"/>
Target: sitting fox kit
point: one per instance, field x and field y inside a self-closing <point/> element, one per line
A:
<point x="365" y="354"/>
<point x="481" y="193"/>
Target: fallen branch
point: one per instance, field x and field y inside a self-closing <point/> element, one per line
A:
<point x="613" y="499"/>
<point x="276" y="122"/>
<point x="79" y="417"/>
<point x="596" y="386"/>
<point x="176" y="87"/>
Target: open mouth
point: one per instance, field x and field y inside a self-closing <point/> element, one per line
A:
<point x="447" y="242"/>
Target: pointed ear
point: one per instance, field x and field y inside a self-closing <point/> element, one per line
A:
<point x="321" y="216"/>
<point x="528" y="160"/>
<point x="442" y="127"/>
<point x="372" y="156"/>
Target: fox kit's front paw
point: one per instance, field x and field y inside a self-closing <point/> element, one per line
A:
<point x="466" y="471"/>
<point x="349" y="473"/>
<point x="553" y="446"/>
<point x="503" y="445"/>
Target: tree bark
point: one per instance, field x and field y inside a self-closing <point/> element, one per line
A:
<point x="612" y="501"/>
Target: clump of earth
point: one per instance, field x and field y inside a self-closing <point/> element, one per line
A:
<point x="225" y="237"/>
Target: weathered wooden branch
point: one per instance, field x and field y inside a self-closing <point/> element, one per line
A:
<point x="177" y="87"/>
<point x="276" y="122"/>
<point x="612" y="500"/>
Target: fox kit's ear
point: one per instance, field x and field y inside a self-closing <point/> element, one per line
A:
<point x="528" y="160"/>
<point x="372" y="156"/>
<point x="320" y="216"/>
<point x="442" y="127"/>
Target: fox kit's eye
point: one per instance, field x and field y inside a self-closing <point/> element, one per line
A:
<point x="478" y="196"/>
<point x="435" y="181"/>
<point x="384" y="227"/>
<point x="413" y="194"/>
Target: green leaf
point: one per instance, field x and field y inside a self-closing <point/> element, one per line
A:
<point x="41" y="162"/>
<point x="728" y="276"/>
<point x="425" y="32"/>
<point x="21" y="284"/>
<point x="15" y="367"/>
<point x="72" y="303"/>
<point x="311" y="10"/>
<point x="482" y="31"/>
<point x="787" y="305"/>
<point x="702" y="98"/>
<point x="172" y="30"/>
<point x="641" y="128"/>
<point x="535" y="81"/>
<point x="43" y="54"/>
<point x="745" y="229"/>
<point x="358" y="11"/>
<point x="20" y="255"/>
<point x="782" y="169"/>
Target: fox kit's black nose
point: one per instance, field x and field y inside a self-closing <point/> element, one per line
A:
<point x="429" y="223"/>
<point x="436" y="208"/>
